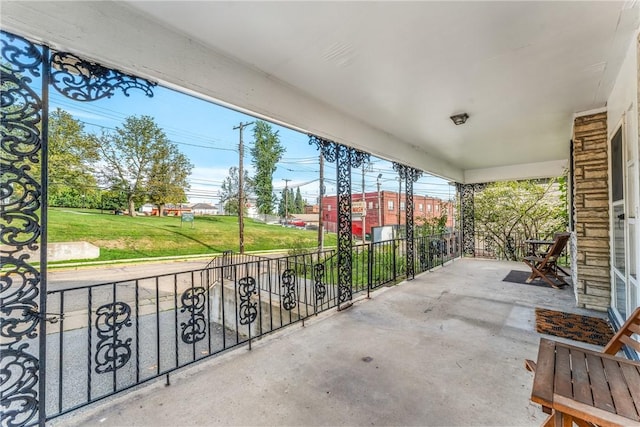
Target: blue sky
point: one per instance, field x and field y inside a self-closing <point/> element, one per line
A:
<point x="204" y="133"/>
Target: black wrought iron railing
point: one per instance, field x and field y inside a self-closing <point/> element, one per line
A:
<point x="106" y="338"/>
<point x="513" y="247"/>
<point x="113" y="336"/>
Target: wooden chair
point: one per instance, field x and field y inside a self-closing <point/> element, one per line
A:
<point x="624" y="336"/>
<point x="544" y="267"/>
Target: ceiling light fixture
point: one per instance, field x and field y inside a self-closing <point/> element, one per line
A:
<point x="459" y="119"/>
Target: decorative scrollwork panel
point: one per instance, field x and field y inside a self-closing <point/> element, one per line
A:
<point x="111" y="351"/>
<point x="82" y="80"/>
<point x="195" y="328"/>
<point x="467" y="196"/>
<point x="346" y="158"/>
<point x="326" y="147"/>
<point x="21" y="191"/>
<point x="319" y="286"/>
<point x="26" y="69"/>
<point x="289" y="300"/>
<point x="409" y="175"/>
<point x="248" y="311"/>
<point x="409" y="229"/>
<point x="343" y="168"/>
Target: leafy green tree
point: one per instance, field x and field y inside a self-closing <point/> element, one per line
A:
<point x="76" y="198"/>
<point x="168" y="177"/>
<point x="266" y="153"/>
<point x="129" y="156"/>
<point x="505" y="210"/>
<point x="114" y="200"/>
<point x="229" y="190"/>
<point x="299" y="202"/>
<point x="72" y="154"/>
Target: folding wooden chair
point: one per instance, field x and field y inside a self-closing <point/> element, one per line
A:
<point x="545" y="267"/>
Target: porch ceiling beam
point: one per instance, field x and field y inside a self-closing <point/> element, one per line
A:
<point x="118" y="36"/>
<point x="516" y="172"/>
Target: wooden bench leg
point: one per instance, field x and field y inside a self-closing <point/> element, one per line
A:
<point x="558" y="419"/>
<point x="530" y="365"/>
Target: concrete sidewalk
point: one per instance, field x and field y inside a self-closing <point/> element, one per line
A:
<point x="446" y="349"/>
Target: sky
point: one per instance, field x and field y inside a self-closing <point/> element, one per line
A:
<point x="204" y="132"/>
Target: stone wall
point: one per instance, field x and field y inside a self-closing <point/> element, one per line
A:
<point x="591" y="220"/>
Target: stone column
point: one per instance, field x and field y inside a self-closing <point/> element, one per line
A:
<point x="592" y="280"/>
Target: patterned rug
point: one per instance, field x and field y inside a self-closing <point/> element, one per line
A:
<point x="591" y="330"/>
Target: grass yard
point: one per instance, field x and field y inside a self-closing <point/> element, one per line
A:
<point x="124" y="237"/>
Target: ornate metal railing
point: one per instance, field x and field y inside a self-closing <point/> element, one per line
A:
<point x="512" y="248"/>
<point x="113" y="336"/>
<point x="106" y="338"/>
<point x="28" y="71"/>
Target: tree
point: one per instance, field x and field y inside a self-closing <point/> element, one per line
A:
<point x="229" y="190"/>
<point x="434" y="225"/>
<point x="168" y="177"/>
<point x="129" y="156"/>
<point x="266" y="153"/>
<point x="72" y="154"/>
<point x="287" y="198"/>
<point x="299" y="202"/>
<point x="504" y="210"/>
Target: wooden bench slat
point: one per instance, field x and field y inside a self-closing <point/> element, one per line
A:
<point x="563" y="372"/>
<point x="581" y="386"/>
<point x="631" y="374"/>
<point x="542" y="391"/>
<point x="619" y="390"/>
<point x="599" y="388"/>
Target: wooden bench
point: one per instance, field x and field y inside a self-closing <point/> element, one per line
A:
<point x="586" y="387"/>
<point x="624" y="336"/>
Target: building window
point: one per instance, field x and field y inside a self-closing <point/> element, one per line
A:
<point x="420" y="207"/>
<point x="370" y="205"/>
<point x="428" y="208"/>
<point x="437" y="208"/>
<point x="390" y="205"/>
<point x="401" y="206"/>
<point x="329" y="208"/>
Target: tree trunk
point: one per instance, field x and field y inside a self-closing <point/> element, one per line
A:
<point x="132" y="208"/>
<point x="161" y="209"/>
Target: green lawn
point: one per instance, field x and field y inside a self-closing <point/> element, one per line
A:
<point x="124" y="237"/>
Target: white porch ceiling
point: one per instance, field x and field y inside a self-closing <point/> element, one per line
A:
<point x="381" y="76"/>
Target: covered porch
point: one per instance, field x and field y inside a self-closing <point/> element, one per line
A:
<point x="447" y="348"/>
<point x="548" y="89"/>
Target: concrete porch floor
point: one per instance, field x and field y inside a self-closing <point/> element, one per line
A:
<point x="446" y="349"/>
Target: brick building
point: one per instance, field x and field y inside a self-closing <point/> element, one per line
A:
<point x="389" y="211"/>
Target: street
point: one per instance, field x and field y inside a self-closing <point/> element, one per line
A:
<point x="83" y="276"/>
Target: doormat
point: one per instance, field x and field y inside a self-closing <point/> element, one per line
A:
<point x="517" y="276"/>
<point x="591" y="330"/>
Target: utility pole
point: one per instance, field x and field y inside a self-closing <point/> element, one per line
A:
<point x="320" y="224"/>
<point x="286" y="201"/>
<point x="240" y="127"/>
